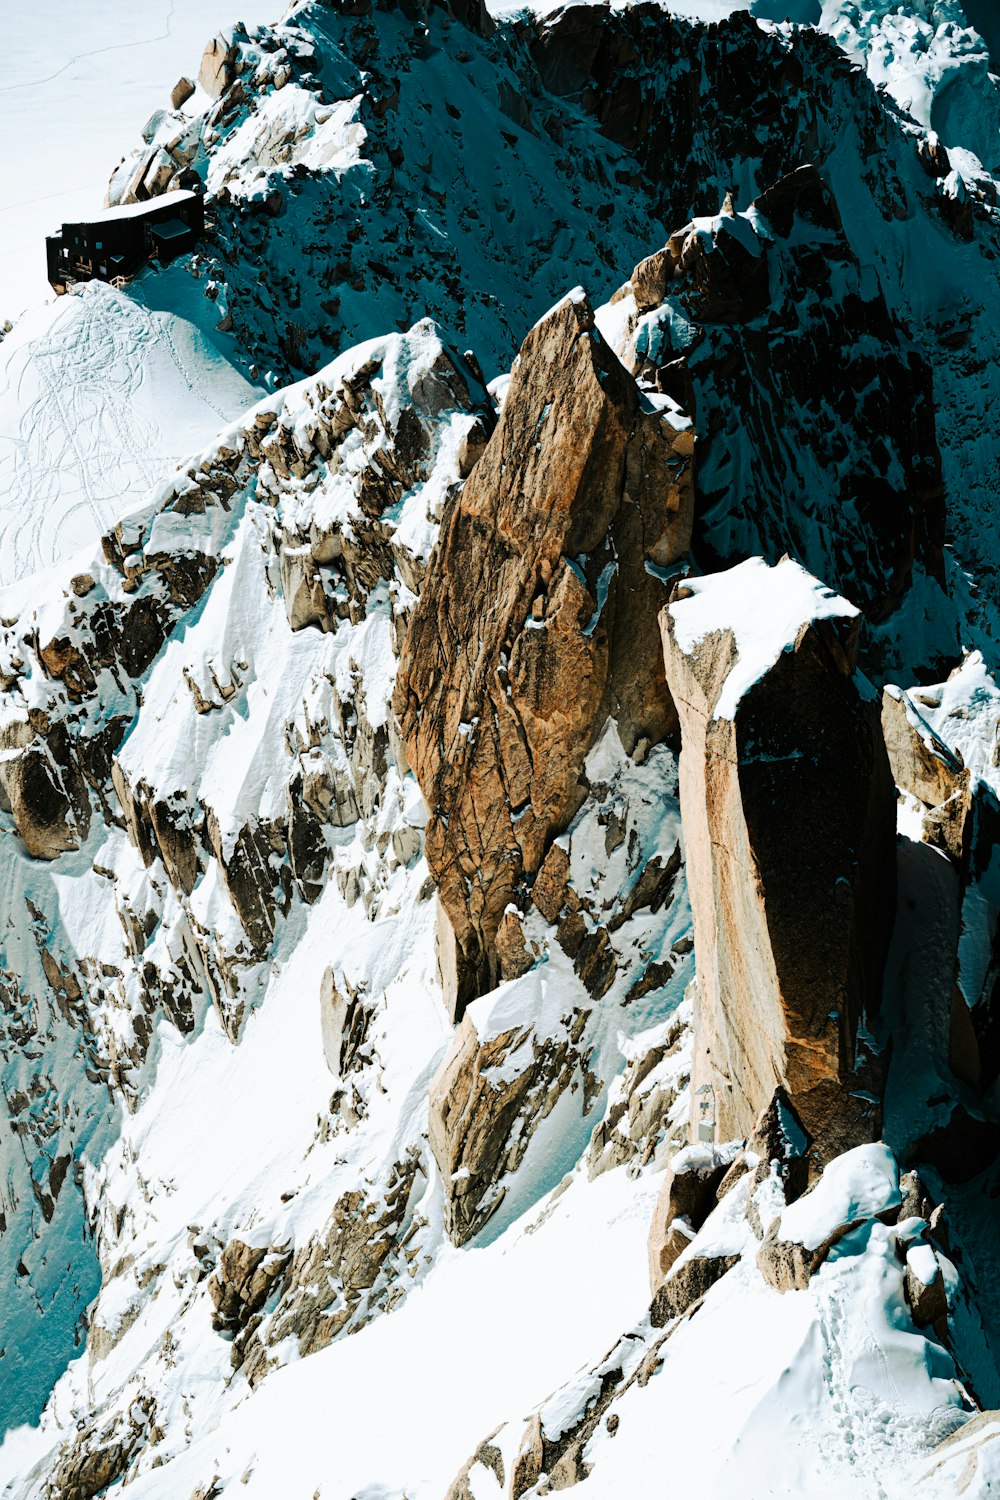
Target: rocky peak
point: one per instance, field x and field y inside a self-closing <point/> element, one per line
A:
<point x="579" y="505"/>
<point x="768" y="310"/>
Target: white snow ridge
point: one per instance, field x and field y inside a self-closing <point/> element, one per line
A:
<point x="500" y="760"/>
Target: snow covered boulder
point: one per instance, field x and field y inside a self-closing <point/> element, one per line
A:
<point x="926" y="1291"/>
<point x="789" y="818"/>
<point x="686" y="1199"/>
<point x="538" y="619"/>
<point x="862" y="1184"/>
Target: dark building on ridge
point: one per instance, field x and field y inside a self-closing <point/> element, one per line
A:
<point x="117" y="242"/>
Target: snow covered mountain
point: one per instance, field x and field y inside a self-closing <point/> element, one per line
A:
<point x="499" y="773"/>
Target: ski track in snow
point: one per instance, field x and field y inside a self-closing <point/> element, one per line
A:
<point x="93" y="412"/>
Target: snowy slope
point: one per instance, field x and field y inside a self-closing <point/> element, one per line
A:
<point x="99" y="398"/>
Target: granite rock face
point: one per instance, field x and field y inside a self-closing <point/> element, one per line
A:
<point x="493" y="1090"/>
<point x="537" y="621"/>
<point x="788" y="809"/>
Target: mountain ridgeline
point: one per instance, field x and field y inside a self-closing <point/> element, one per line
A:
<point x="500" y="945"/>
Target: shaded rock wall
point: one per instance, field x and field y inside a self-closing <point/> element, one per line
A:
<point x="814" y="415"/>
<point x="789" y="820"/>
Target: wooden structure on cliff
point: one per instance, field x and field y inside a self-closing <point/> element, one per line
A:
<point x="117" y="242"/>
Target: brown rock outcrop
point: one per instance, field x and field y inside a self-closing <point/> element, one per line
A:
<point x="244" y="1279"/>
<point x="340" y="1278"/>
<point x="43" y="788"/>
<point x="218" y="66"/>
<point x="581" y="498"/>
<point x="181" y="92"/>
<point x="923" y="766"/>
<point x="687" y="1285"/>
<point x="485" y="1086"/>
<point x="789" y="816"/>
<point x="642" y="1122"/>
<point x="686" y="1199"/>
<point x="960" y="816"/>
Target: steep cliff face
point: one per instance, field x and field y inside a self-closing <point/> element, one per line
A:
<point x="538" y="620"/>
<point x="789" y="823"/>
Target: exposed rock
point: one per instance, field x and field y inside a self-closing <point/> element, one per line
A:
<point x="502" y="689"/>
<point x="586" y="941"/>
<point x="98" y="1457"/>
<point x="686" y="1199"/>
<point x="777" y="1157"/>
<point x="49" y="801"/>
<point x="789" y="818"/>
<point x="345" y="1019"/>
<point x="529" y="1463"/>
<point x="960" y="815"/>
<point x="159" y="174"/>
<point x="486" y="1456"/>
<point x="923" y="766"/>
<point x="687" y="1284"/>
<point x="302" y="587"/>
<point x="245" y="1278"/>
<point x="916" y="1203"/>
<point x="342" y="1277"/>
<point x="488" y="1084"/>
<point x="552" y="1448"/>
<point x="925" y="1290"/>
<point x="218" y="66"/>
<point x="644" y="1114"/>
<point x="181" y="92"/>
